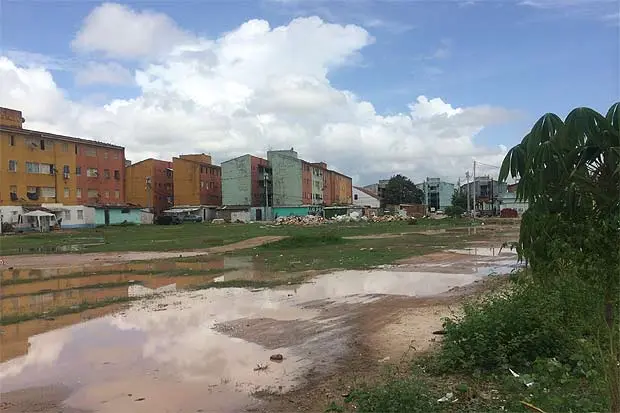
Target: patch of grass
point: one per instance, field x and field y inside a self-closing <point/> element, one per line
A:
<point x="190" y="236"/>
<point x="352" y="254"/>
<point x="59" y="311"/>
<point x="407" y="394"/>
<point x="304" y="241"/>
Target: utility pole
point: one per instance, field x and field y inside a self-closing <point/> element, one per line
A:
<point x="266" y="197"/>
<point x="468" y="195"/>
<point x="148" y="193"/>
<point x="475" y="189"/>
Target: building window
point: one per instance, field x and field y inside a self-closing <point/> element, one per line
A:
<point x="117" y="174"/>
<point x="65" y="170"/>
<point x="202" y="184"/>
<point x="106" y="194"/>
<point x="210" y="185"/>
<point x="93" y="193"/>
<point x="78" y="170"/>
<point x="76" y="149"/>
<point x="67" y="215"/>
<point x="78" y="194"/>
<point x="12" y="165"/>
<point x="92" y="152"/>
<point x="106" y="173"/>
<point x="46" y="169"/>
<point x="12" y="140"/>
<point x="117" y="194"/>
<point x="115" y="156"/>
<point x="80" y="214"/>
<point x="355" y="197"/>
<point x="42" y="144"/>
<point x="13" y="190"/>
<point x="32" y="167"/>
<point x="48" y="192"/>
<point x="67" y="192"/>
<point x="65" y="147"/>
<point x="92" y="172"/>
<point x="105" y="155"/>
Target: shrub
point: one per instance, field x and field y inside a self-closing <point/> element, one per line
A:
<point x="304" y="241"/>
<point x="401" y="395"/>
<point x="518" y="326"/>
<point x="454" y="211"/>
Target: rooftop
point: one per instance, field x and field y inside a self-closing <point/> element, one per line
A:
<point x="46" y="135"/>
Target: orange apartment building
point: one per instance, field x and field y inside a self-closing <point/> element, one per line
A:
<point x="196" y="181"/>
<point x="149" y="183"/>
<point x="38" y="167"/>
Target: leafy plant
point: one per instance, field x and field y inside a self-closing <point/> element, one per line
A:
<point x="569" y="173"/>
<point x="454" y="211"/>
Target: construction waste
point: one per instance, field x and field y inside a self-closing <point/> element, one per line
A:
<point x="354" y="216"/>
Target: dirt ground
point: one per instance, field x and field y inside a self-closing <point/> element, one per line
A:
<point x="389" y="332"/>
<point x="344" y="342"/>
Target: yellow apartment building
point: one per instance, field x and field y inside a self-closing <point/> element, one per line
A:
<point x="39" y="167"/>
<point x="196" y="180"/>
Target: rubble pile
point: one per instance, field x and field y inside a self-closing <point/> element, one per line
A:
<point x="389" y="218"/>
<point x="310" y="220"/>
<point x="301" y="221"/>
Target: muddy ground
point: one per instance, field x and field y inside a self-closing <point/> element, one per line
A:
<point x="211" y="350"/>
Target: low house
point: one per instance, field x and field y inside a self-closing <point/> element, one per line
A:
<point x="365" y="198"/>
<point x="231" y="213"/>
<point x="205" y="212"/>
<point x="121" y="214"/>
<point x="508" y="200"/>
<point x="72" y="216"/>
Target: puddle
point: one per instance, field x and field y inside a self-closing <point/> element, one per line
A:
<point x="155" y="266"/>
<point x="485" y="252"/>
<point x="168" y="350"/>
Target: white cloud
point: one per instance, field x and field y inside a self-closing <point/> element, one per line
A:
<point x="258" y="87"/>
<point x="110" y="73"/>
<point x="118" y="31"/>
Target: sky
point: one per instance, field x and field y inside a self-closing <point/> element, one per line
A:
<point x="372" y="87"/>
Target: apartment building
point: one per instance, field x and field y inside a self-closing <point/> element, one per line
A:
<point x="196" y="181"/>
<point x="243" y="181"/>
<point x="149" y="183"/>
<point x="291" y="181"/>
<point x="437" y="193"/>
<point x="38" y="167"/>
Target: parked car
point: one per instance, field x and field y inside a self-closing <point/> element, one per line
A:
<point x="168" y="220"/>
<point x="192" y="218"/>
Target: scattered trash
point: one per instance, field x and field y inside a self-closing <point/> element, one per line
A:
<point x="525" y="379"/>
<point x="446" y="398"/>
<point x="276" y="357"/>
<point x="384" y="359"/>
<point x="139" y="399"/>
<point x="438" y="332"/>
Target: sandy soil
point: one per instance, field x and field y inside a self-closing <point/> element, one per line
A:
<point x="102" y="258"/>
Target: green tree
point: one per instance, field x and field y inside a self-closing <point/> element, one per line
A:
<point x="459" y="199"/>
<point x="570" y="175"/>
<point x="400" y="190"/>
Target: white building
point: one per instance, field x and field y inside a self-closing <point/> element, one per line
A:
<point x="508" y="200"/>
<point x="364" y="198"/>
